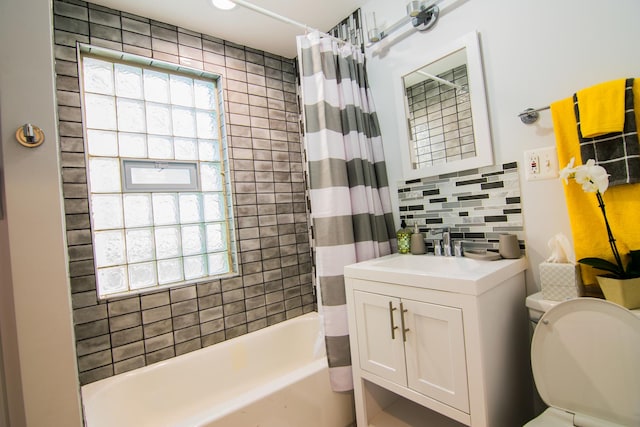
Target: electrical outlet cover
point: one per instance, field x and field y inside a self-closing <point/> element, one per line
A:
<point x="541" y="163"/>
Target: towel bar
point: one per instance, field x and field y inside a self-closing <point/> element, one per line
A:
<point x="530" y="115"/>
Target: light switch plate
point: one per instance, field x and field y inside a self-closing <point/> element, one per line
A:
<point x="541" y="163"/>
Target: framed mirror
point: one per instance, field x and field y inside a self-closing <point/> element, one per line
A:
<point x="442" y="104"/>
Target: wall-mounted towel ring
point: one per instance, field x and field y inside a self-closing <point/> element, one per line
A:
<point x="29" y="135"/>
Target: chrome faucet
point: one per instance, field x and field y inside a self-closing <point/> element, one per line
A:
<point x="446" y="242"/>
<point x="445" y="249"/>
<point x="458" y="250"/>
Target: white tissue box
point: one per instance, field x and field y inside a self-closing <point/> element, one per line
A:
<point x="560" y="282"/>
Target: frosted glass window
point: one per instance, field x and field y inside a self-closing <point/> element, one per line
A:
<point x="140" y="245"/>
<point x="195" y="267"/>
<point x="213" y="207"/>
<point x="102" y="143"/>
<point x="132" y="145"/>
<point x="156" y="160"/>
<point x="218" y="263"/>
<point x="208" y="150"/>
<point x="109" y="248"/>
<point x="165" y="209"/>
<point x="186" y="149"/>
<point x="112" y="280"/>
<point x="100" y="111"/>
<point x="137" y="210"/>
<point x="143" y="275"/>
<point x="168" y="242"/>
<point x="170" y="271"/>
<point x="106" y="210"/>
<point x="104" y="175"/>
<point x="181" y="90"/>
<point x="210" y="178"/>
<point x="190" y="208"/>
<point x="158" y="118"/>
<point x="131" y="117"/>
<point x="207" y="124"/>
<point x="156" y="86"/>
<point x="184" y="122"/>
<point x="128" y="81"/>
<point x="98" y="76"/>
<point x="160" y="147"/>
<point x="216" y="239"/>
<point x="205" y="95"/>
<point x="192" y="240"/>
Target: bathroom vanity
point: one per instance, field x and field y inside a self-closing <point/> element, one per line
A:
<point x="438" y="341"/>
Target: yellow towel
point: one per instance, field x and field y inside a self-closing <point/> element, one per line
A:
<point x="602" y="108"/>
<point x="622" y="202"/>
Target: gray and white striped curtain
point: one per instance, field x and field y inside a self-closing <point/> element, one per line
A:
<point x="350" y="199"/>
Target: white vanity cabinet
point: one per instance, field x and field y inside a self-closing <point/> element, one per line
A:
<point x="436" y="348"/>
<point x="414" y="344"/>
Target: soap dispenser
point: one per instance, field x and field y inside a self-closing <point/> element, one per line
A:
<point x="404" y="238"/>
<point x="417" y="241"/>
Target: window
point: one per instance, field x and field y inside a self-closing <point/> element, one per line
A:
<point x="153" y="175"/>
<point x="159" y="195"/>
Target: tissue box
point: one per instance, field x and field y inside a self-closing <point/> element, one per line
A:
<point x="560" y="282"/>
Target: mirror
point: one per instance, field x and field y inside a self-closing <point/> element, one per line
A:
<point x="442" y="100"/>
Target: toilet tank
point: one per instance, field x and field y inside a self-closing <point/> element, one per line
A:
<point x="537" y="306"/>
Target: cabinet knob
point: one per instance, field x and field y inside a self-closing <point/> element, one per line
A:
<point x="393" y="327"/>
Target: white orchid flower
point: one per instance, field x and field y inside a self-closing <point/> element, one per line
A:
<point x="592" y="177"/>
<point x="568" y="172"/>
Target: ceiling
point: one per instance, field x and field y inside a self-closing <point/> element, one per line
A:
<point x="240" y="25"/>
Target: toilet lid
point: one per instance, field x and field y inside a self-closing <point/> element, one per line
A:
<point x="585" y="356"/>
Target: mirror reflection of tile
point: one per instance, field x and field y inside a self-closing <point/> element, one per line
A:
<point x="440" y="119"/>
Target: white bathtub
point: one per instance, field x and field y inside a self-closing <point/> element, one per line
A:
<point x="274" y="377"/>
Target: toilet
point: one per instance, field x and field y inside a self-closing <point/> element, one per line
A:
<point x="585" y="357"/>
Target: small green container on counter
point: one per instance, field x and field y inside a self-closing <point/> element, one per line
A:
<point x="404" y="238"/>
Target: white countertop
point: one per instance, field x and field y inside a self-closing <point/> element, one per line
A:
<point x="450" y="274"/>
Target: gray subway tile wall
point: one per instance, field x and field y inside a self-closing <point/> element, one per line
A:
<point x="275" y="284"/>
<point x="477" y="205"/>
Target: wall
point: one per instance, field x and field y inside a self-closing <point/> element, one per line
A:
<point x="534" y="53"/>
<point x="35" y="308"/>
<point x="121" y="334"/>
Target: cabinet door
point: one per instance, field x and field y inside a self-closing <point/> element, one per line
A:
<point x="435" y="352"/>
<point x="379" y="336"/>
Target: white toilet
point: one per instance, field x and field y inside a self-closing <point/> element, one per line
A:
<point x="585" y="356"/>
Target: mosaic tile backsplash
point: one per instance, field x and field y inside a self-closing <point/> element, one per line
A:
<point x="117" y="335"/>
<point x="476" y="205"/>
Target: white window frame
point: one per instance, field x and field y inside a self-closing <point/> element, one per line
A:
<point x="128" y="186"/>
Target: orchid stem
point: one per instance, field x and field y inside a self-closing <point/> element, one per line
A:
<point x="612" y="240"/>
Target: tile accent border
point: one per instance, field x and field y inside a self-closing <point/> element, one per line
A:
<point x="121" y="334"/>
<point x="477" y="205"/>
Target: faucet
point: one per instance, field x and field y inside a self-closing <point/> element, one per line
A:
<point x="458" y="250"/>
<point x="446" y="241"/>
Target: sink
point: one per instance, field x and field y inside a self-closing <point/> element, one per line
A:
<point x="452" y="274"/>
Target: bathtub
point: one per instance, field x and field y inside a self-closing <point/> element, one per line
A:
<point x="274" y="377"/>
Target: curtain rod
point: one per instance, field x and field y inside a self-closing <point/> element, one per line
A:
<point x="282" y="18"/>
<point x="441" y="80"/>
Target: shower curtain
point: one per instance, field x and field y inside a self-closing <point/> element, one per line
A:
<point x="350" y="200"/>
